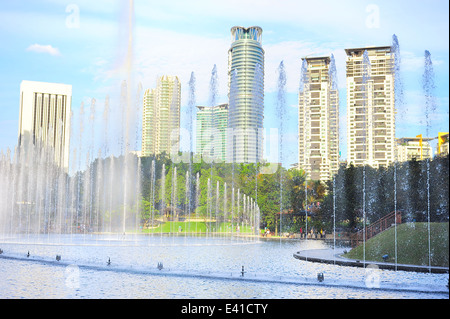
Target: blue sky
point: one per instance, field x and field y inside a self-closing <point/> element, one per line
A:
<point x="83" y="43"/>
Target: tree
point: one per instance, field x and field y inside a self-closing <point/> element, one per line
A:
<point x="350" y="196"/>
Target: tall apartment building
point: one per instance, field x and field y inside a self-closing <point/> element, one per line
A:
<point x="45" y="117"/>
<point x="211" y="140"/>
<point x="246" y="95"/>
<point x="318" y="121"/>
<point x="161" y="117"/>
<point x="414" y="147"/>
<point x="370" y="106"/>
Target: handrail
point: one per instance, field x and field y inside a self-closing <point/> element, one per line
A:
<point x="376" y="227"/>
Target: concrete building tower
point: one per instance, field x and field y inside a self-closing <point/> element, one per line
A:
<point x="45" y="117"/>
<point x="319" y="121"/>
<point x="161" y="117"/>
<point x="370" y="106"/>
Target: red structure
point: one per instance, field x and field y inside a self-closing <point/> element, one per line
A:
<point x="377" y="227"/>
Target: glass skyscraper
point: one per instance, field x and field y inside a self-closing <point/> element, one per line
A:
<point x="246" y="96"/>
<point x="212" y="124"/>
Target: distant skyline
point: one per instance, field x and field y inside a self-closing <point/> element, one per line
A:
<point x="83" y="43"/>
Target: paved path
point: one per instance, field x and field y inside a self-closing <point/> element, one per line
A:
<point x="334" y="256"/>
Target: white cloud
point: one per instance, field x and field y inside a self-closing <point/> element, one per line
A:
<point x="39" y="48"/>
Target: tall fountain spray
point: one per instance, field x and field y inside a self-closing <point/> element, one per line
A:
<point x="232" y="103"/>
<point x="398" y="102"/>
<point x="365" y="89"/>
<point x="281" y="112"/>
<point x="430" y="107"/>
<point x="191" y="108"/>
<point x="304" y="91"/>
<point x="333" y="80"/>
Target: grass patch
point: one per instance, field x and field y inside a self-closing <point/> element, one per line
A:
<point x="412" y="245"/>
<point x="196" y="227"/>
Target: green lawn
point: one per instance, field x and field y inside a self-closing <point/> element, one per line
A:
<point x="195" y="227"/>
<point x="412" y="245"/>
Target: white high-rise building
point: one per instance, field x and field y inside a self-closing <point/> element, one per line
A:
<point x="370" y="106"/>
<point x="45" y="117"/>
<point x="318" y="121"/>
<point x="161" y="117"/>
<point x="246" y="96"/>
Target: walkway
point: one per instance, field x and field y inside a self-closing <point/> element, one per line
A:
<point x="331" y="256"/>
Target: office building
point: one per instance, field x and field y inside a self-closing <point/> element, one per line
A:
<point x="246" y="96"/>
<point x="45" y="117"/>
<point x="370" y="106"/>
<point x="161" y="117"/>
<point x="211" y="140"/>
<point x="318" y="121"/>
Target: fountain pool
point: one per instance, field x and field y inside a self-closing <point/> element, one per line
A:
<point x="192" y="268"/>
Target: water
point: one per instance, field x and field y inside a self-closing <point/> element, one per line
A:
<point x="398" y="102"/>
<point x="281" y="112"/>
<point x="304" y="92"/>
<point x="365" y="87"/>
<point x="271" y="271"/>
<point x="398" y="81"/>
<point x="430" y="107"/>
<point x="191" y="108"/>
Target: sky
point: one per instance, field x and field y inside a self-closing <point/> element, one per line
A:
<point x="84" y="43"/>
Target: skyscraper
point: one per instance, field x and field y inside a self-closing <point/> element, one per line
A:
<point x="318" y="121"/>
<point x="370" y="106"/>
<point x="45" y="117"/>
<point x="161" y="117"/>
<point x="212" y="123"/>
<point x="246" y="96"/>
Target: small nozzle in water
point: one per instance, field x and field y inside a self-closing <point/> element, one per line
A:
<point x="320" y="276"/>
<point x="160" y="265"/>
<point x="109" y="261"/>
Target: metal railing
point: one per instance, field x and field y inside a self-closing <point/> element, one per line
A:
<point x="375" y="228"/>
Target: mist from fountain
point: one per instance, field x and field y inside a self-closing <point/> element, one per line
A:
<point x="281" y="112"/>
<point x="333" y="84"/>
<point x="398" y="102"/>
<point x="430" y="107"/>
<point x="366" y="75"/>
<point x="304" y="91"/>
